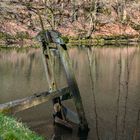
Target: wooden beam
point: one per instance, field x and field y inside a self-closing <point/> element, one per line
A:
<point x="28" y="102"/>
<point x="73" y="87"/>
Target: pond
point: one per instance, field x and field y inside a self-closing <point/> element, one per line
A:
<point x="108" y="79"/>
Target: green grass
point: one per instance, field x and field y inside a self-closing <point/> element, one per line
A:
<point x="11" y="129"/>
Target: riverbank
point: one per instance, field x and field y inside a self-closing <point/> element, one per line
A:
<point x="11" y="129"/>
<point x="103" y="40"/>
<point x="98" y="40"/>
<point x="77" y="21"/>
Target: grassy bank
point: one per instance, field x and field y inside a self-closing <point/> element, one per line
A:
<point x="10" y="129"/>
<point x="107" y="40"/>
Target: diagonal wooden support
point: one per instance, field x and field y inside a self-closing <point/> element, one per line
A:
<point x="73" y="87"/>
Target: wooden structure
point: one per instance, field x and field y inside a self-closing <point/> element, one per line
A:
<point x="28" y="102"/>
<point x="52" y="42"/>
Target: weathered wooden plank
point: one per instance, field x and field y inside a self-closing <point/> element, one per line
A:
<point x="28" y="102"/>
<point x="73" y="86"/>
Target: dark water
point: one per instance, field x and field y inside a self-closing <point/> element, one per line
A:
<point x="109" y="82"/>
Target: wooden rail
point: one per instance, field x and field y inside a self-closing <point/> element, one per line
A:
<point x="28" y="102"/>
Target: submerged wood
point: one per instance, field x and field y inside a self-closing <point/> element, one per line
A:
<point x="63" y="123"/>
<point x="28" y="102"/>
<point x="71" y="116"/>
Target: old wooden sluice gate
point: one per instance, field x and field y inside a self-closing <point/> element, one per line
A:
<point x="53" y="47"/>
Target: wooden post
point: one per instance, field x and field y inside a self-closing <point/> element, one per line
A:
<point x="73" y="87"/>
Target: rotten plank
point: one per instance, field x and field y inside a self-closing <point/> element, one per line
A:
<point x="28" y="102"/>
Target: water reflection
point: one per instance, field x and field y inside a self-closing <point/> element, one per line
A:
<point x="29" y="70"/>
<point x="91" y="57"/>
<point x="109" y="82"/>
<point x="115" y="72"/>
<point x="61" y="133"/>
<point x="118" y="96"/>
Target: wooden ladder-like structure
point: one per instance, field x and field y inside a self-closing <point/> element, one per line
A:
<point x="52" y="40"/>
<point x="53" y="44"/>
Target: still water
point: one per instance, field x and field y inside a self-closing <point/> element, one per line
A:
<point x="108" y="79"/>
